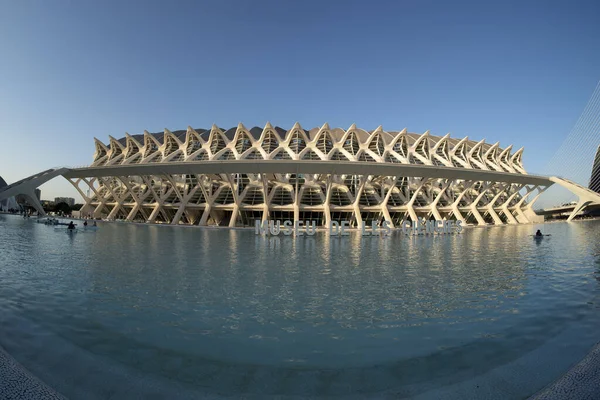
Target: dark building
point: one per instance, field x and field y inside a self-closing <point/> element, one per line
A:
<point x="3" y="203"/>
<point x="595" y="177"/>
<point x="7" y="204"/>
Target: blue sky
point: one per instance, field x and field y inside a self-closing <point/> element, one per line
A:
<point x="516" y="72"/>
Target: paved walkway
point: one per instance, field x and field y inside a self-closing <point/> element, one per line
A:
<point x="17" y="383"/>
<point x="582" y="382"/>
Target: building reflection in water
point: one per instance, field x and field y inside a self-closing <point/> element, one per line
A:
<point x="329" y="294"/>
<point x="230" y="304"/>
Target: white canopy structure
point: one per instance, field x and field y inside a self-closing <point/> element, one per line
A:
<point x="235" y="177"/>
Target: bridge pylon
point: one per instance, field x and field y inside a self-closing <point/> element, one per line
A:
<point x="586" y="197"/>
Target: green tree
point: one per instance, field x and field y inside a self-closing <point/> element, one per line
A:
<point x="62" y="207"/>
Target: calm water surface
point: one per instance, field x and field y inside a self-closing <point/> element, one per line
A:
<point x="204" y="307"/>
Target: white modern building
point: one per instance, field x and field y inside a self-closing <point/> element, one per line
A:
<point x="237" y="176"/>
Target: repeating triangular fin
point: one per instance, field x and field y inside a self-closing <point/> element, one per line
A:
<point x="99" y="142"/>
<point x="504" y="154"/>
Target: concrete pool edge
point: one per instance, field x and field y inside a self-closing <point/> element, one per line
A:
<point x="582" y="381"/>
<point x="17" y="382"/>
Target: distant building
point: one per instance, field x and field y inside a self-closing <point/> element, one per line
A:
<point x="38" y="194"/>
<point x="69" y="200"/>
<point x="595" y="177"/>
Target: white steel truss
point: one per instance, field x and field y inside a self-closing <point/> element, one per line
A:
<point x="240" y="198"/>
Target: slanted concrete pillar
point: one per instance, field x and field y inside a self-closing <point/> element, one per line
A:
<point x="581" y="204"/>
<point x="205" y="215"/>
<point x="234" y="214"/>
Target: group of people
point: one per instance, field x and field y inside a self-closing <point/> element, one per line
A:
<point x="72" y="225"/>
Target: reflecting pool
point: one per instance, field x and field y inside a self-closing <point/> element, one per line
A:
<point x="221" y="313"/>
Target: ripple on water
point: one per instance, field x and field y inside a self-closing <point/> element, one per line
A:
<point x="192" y="304"/>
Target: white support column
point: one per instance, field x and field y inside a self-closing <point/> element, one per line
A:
<point x="409" y="205"/>
<point x="101" y="200"/>
<point x="208" y="201"/>
<point x="118" y="199"/>
<point x="75" y="183"/>
<point x="161" y="203"/>
<point x="585" y="195"/>
<point x="184" y="204"/>
<point x="478" y="216"/>
<point x="296" y="200"/>
<point x="133" y="212"/>
<point x="155" y="197"/>
<point x="154" y="213"/>
<point x="581" y="204"/>
<point x="139" y="201"/>
<point x="158" y="200"/>
<point x="87" y="207"/>
<point x="236" y="201"/>
<point x="136" y="207"/>
<point x="454" y="205"/>
<point x="531" y="215"/>
<point x="520" y="215"/>
<point x="117" y="206"/>
<point x="167" y="193"/>
<point x="234" y="214"/>
<point x="205" y="215"/>
<point x="511" y="219"/>
<point x="265" y="216"/>
<point x="434" y="209"/>
<point x="490" y="208"/>
<point x="356" y="206"/>
<point x="179" y="213"/>
<point x="384" y="203"/>
<point x="326" y="210"/>
<point x="115" y="210"/>
<point x="180" y="197"/>
<point x="474" y="210"/>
